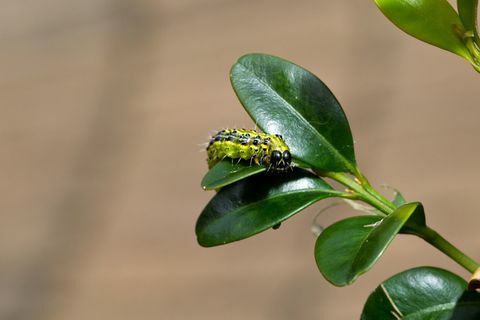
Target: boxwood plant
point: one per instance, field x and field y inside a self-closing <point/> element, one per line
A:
<point x="282" y="97"/>
<point x="437" y="23"/>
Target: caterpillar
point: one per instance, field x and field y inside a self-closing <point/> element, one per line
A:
<point x="261" y="148"/>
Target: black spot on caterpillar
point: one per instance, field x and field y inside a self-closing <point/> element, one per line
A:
<point x="256" y="147"/>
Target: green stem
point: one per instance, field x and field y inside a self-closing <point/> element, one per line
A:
<point x="368" y="187"/>
<point x="474" y="53"/>
<point x="365" y="192"/>
<point x="473" y="48"/>
<point x="436" y="240"/>
<point x="359" y="189"/>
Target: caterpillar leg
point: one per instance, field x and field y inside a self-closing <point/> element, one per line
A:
<point x="269" y="167"/>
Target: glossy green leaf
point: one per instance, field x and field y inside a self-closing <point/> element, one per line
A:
<point x="467" y="10"/>
<point x="421" y="294"/>
<point x="225" y="172"/>
<point x="350" y="247"/>
<point x="283" y="98"/>
<point x="416" y="220"/>
<point x="432" y="21"/>
<point x="258" y="203"/>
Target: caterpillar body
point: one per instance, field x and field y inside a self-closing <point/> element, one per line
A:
<point x="257" y="147"/>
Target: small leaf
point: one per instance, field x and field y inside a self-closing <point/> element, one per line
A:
<point x="350" y="247"/>
<point x="283" y="98"/>
<point x="258" y="203"/>
<point x="399" y="200"/>
<point x="416" y="220"/>
<point x="467" y="10"/>
<point x="422" y="293"/>
<point x="225" y="172"/>
<point x="432" y="21"/>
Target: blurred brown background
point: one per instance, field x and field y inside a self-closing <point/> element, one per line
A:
<point x="104" y="105"/>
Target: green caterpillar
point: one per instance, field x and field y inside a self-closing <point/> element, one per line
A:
<point x="260" y="148"/>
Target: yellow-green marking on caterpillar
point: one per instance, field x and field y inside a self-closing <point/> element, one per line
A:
<point x="257" y="147"/>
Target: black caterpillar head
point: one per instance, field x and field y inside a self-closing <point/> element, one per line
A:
<point x="280" y="161"/>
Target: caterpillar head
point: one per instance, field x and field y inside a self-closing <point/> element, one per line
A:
<point x="280" y="161"/>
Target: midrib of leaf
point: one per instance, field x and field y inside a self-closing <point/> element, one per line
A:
<point x="357" y="252"/>
<point x="353" y="265"/>
<point x="331" y="148"/>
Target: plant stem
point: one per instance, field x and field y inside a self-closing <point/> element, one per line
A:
<point x="473" y="48"/>
<point x="368" y="187"/>
<point x="363" y="194"/>
<point x="436" y="240"/>
<point x="368" y="194"/>
<point x="474" y="52"/>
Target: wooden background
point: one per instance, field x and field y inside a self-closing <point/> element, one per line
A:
<point x="104" y="106"/>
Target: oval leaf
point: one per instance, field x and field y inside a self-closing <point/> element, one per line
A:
<point x="256" y="204"/>
<point x="422" y="293"/>
<point x="432" y="21"/>
<point x="283" y="98"/>
<point x="225" y="172"/>
<point x="350" y="247"/>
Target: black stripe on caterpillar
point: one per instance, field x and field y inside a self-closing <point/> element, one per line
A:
<point x="257" y="147"/>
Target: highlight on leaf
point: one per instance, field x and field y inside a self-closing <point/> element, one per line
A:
<point x="282" y="97"/>
<point x="435" y="22"/>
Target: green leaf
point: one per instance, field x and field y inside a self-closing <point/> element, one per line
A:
<point x="350" y="247"/>
<point x="416" y="220"/>
<point x="432" y="21"/>
<point x="256" y="204"/>
<point x="283" y="98"/>
<point x="225" y="172"/>
<point x="467" y="10"/>
<point x="422" y="293"/>
<point x="399" y="199"/>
